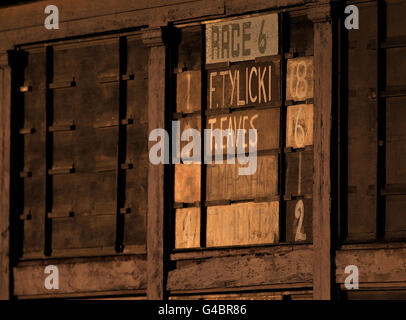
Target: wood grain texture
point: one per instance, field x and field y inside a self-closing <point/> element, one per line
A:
<point x="187" y="229"/>
<point x="224" y="182"/>
<point x="5" y="109"/>
<point x="24" y="24"/>
<point x="86" y="276"/>
<point x="299" y="126"/>
<point x="243" y="224"/>
<point x="374" y="264"/>
<point x="156" y="119"/>
<point x="187" y="183"/>
<point x="188" y="91"/>
<point x="321" y="175"/>
<point x="281" y="265"/>
<point x="299" y="81"/>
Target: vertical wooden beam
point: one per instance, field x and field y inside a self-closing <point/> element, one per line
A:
<point x="323" y="54"/>
<point x="156" y="119"/>
<point x="5" y="109"/>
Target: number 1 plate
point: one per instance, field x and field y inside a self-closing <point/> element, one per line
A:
<point x="242" y="39"/>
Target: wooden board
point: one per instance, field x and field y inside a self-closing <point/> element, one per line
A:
<point x="395" y="140"/>
<point x="187" y="233"/>
<point x="265" y="121"/>
<point x="190" y="48"/>
<point x="244" y="84"/>
<point x="299" y="173"/>
<point x="242" y="39"/>
<point x="188" y="91"/>
<point x="136" y="178"/>
<point x="276" y="265"/>
<point x="395" y="218"/>
<point x="396" y="67"/>
<point x="299" y="126"/>
<point x="91" y="190"/>
<point x="189" y="122"/>
<point x="299" y="81"/>
<point x="85" y="276"/>
<point x="243" y="224"/>
<point x="396" y="11"/>
<point x="362" y="129"/>
<point x="32" y="149"/>
<point x="224" y="181"/>
<point x="187" y="183"/>
<point x="301" y="35"/>
<point x="299" y="218"/>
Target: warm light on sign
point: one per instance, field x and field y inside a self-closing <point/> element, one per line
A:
<point x="242" y="39"/>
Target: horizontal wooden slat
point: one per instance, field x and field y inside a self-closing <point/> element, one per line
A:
<point x="282" y="265"/>
<point x="62" y="84"/>
<point x="86" y="275"/>
<point x="394" y="189"/>
<point x="62" y="127"/>
<point x="374" y="264"/>
<point x="394" y="91"/>
<point x="27" y="130"/>
<point x="394" y="42"/>
<point x="61" y="170"/>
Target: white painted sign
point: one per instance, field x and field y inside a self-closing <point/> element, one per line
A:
<point x="242" y="39"/>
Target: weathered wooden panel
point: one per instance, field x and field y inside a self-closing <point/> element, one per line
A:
<point x="93" y="231"/>
<point x="395" y="216"/>
<point x="225" y="182"/>
<point x="244" y="84"/>
<point x="190" y="122"/>
<point x="190" y="48"/>
<point x="32" y="194"/>
<point x="374" y="265"/>
<point x="83" y="276"/>
<point x="299" y="126"/>
<point x="188" y="91"/>
<point x="299" y="173"/>
<point x="395" y="141"/>
<point x="286" y="264"/>
<point x="395" y="18"/>
<point x="242" y="39"/>
<point x="265" y="121"/>
<point x="301" y="35"/>
<point x="362" y="129"/>
<point x="299" y="219"/>
<point x="396" y="67"/>
<point x="187" y="182"/>
<point x="266" y="295"/>
<point x="136" y="184"/>
<point x="91" y="148"/>
<point x="299" y="81"/>
<point x="187" y="233"/>
<point x="243" y="224"/>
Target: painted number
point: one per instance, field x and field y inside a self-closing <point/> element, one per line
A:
<point x="262" y="38"/>
<point x="299" y="215"/>
<point x="299" y="131"/>
<point x="301" y="83"/>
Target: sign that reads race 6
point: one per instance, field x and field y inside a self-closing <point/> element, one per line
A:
<point x="242" y="39"/>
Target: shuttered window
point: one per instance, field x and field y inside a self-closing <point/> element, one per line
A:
<point x="81" y="147"/>
<point x="376" y="157"/>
